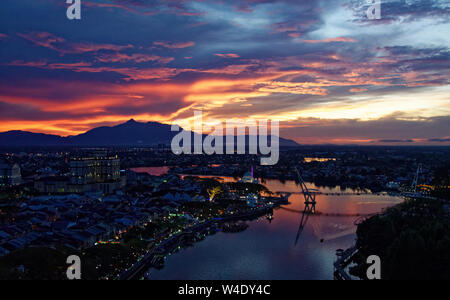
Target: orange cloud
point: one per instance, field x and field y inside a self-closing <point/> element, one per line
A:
<point x="358" y="90"/>
<point x="227" y="55"/>
<point x="239" y="90"/>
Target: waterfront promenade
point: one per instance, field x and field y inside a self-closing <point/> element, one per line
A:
<point x="188" y="235"/>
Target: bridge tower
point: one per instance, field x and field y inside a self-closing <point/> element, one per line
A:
<point x="416" y="179"/>
<point x="310" y="205"/>
<point x="310" y="197"/>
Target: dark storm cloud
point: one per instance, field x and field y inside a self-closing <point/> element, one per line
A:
<point x="439" y="140"/>
<point x="396" y="141"/>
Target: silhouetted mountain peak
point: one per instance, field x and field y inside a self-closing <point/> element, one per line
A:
<point x="130" y="133"/>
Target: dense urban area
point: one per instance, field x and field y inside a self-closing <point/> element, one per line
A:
<point x="95" y="203"/>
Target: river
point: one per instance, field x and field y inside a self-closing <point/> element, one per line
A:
<point x="267" y="250"/>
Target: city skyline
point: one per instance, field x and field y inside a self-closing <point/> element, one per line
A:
<point x="325" y="71"/>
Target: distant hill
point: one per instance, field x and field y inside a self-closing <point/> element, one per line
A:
<point x="131" y="133"/>
<point x="24" y="138"/>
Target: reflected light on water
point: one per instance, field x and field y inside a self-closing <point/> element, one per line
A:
<point x="266" y="250"/>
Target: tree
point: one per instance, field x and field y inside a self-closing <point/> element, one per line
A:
<point x="213" y="192"/>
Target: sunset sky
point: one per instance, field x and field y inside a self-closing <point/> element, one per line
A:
<point x="320" y="67"/>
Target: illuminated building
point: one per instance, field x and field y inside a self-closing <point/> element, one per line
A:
<point x="248" y="178"/>
<point x="252" y="200"/>
<point x="99" y="169"/>
<point x="95" y="173"/>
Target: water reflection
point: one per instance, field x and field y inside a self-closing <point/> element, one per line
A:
<point x="265" y="250"/>
<point x="309" y="209"/>
<point x="155" y="171"/>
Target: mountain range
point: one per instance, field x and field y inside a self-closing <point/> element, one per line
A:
<point x="131" y="133"/>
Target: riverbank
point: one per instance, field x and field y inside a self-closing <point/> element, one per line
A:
<point x="266" y="250"/>
<point x="187" y="237"/>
